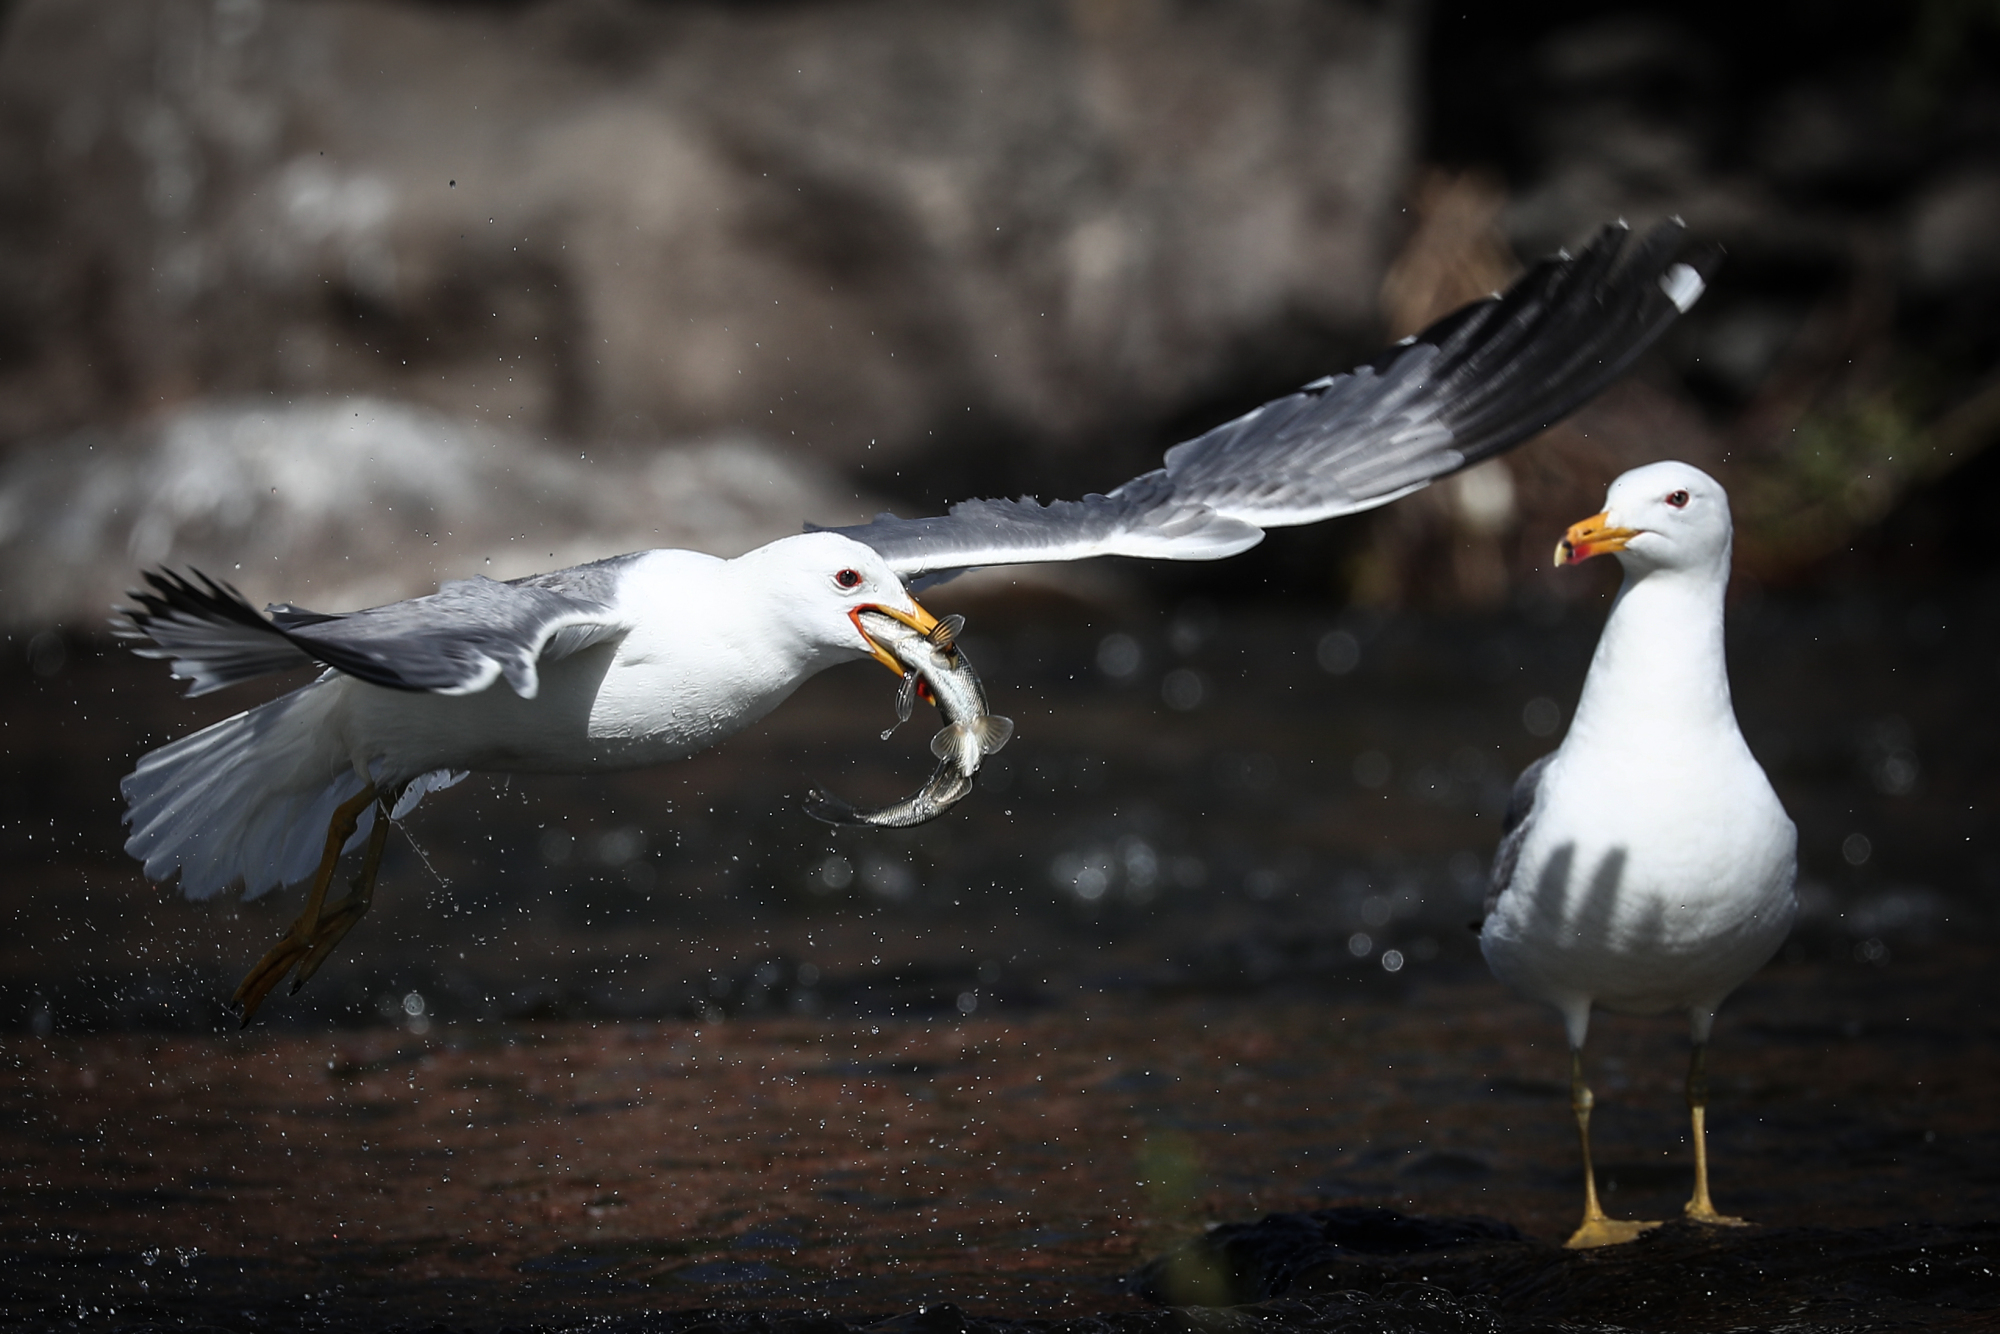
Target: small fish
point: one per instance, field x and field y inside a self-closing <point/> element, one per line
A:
<point x="933" y="669"/>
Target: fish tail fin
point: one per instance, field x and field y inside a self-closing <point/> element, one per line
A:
<point x="824" y="806"/>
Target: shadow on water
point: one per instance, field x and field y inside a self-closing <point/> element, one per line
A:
<point x="1196" y="952"/>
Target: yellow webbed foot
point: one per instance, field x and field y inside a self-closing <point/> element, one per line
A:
<point x="1602" y="1231"/>
<point x="1704" y="1213"/>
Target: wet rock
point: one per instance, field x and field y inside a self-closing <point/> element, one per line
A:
<point x="1246" y="1262"/>
<point x="943" y="1318"/>
<point x="1681" y="1276"/>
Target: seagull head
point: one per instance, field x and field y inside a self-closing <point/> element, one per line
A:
<point x="1664" y="516"/>
<point x="825" y="581"/>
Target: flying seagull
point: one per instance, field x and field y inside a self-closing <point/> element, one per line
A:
<point x="653" y="656"/>
<point x="1647" y="865"/>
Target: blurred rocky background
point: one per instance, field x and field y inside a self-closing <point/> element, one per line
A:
<point x="1848" y="359"/>
<point x="900" y="247"/>
<point x="342" y="298"/>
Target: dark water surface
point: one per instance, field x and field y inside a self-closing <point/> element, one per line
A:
<point x="656" y="1041"/>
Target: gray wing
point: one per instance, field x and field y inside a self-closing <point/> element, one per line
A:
<point x="452" y="642"/>
<point x="1144" y="517"/>
<point x="1514" y="830"/>
<point x="1475" y="383"/>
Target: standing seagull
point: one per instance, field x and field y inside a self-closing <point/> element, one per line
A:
<point x="653" y="656"/>
<point x="1646" y="865"/>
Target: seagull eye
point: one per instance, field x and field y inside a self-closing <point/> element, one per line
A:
<point x="1678" y="499"/>
<point x="848" y="578"/>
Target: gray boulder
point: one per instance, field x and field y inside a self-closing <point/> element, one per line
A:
<point x="861" y="228"/>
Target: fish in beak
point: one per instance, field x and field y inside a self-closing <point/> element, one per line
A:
<point x="1592" y="537"/>
<point x="916" y="618"/>
<point x="935" y="668"/>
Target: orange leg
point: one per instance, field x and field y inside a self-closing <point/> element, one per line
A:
<point x="341" y="917"/>
<point x="301" y="942"/>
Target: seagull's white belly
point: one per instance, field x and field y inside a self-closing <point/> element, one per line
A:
<point x="604" y="708"/>
<point x="1643" y="893"/>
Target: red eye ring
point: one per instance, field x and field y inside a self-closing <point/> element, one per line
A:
<point x="848" y="578"/>
<point x="1678" y="499"/>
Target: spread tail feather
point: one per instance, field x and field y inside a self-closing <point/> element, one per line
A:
<point x="244" y="802"/>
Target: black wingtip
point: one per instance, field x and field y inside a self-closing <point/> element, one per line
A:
<point x="172" y="591"/>
<point x="1568" y="328"/>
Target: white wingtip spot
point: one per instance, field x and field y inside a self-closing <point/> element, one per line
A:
<point x="489" y="672"/>
<point x="1683" y="286"/>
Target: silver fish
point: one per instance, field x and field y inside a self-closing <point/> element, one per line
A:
<point x="934" y="666"/>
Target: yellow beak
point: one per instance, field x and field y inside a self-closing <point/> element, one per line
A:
<point x="917" y="619"/>
<point x="1591" y="537"/>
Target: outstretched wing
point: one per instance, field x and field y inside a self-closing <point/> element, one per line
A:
<point x="455" y="641"/>
<point x="1473" y="384"/>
